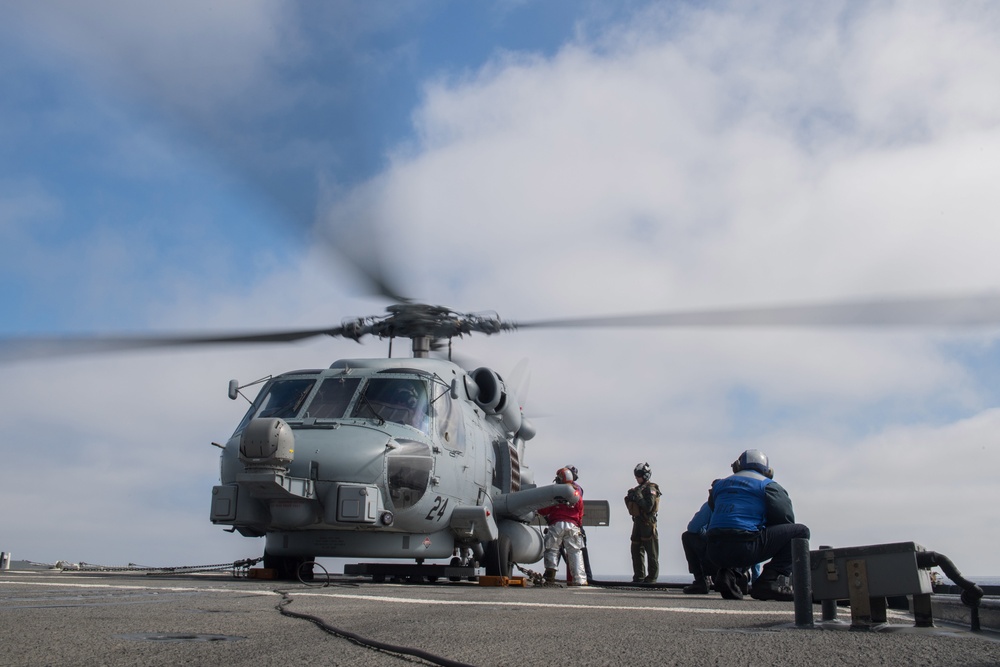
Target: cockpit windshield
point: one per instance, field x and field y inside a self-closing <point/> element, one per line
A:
<point x="332" y="398"/>
<point x="400" y="400"/>
<point x="285" y="398"/>
<point x="392" y="399"/>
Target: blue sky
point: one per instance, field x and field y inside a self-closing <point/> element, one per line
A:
<point x="177" y="169"/>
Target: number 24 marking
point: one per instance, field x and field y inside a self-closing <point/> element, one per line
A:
<point x="437" y="511"/>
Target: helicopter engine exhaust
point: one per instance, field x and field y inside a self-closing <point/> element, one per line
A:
<point x="494" y="399"/>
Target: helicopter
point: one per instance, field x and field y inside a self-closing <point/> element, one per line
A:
<point x="388" y="458"/>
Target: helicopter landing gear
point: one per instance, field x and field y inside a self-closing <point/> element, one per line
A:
<point x="464" y="557"/>
<point x="499" y="558"/>
<point x="290" y="568"/>
<point x="455" y="562"/>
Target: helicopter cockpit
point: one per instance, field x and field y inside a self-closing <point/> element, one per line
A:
<point x="398" y="399"/>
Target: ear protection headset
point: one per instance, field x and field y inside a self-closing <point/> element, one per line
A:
<point x="754" y="459"/>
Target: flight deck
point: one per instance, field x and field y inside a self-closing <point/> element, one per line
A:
<point x="55" y="617"/>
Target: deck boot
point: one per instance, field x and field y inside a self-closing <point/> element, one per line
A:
<point x="699" y="587"/>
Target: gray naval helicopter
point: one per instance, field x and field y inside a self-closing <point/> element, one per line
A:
<point x="400" y="458"/>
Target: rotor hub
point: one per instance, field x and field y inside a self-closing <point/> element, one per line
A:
<point x="418" y="321"/>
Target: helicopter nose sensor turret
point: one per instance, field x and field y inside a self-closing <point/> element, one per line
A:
<point x="267" y="444"/>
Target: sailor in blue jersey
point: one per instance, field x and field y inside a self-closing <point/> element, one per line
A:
<point x="695" y="542"/>
<point x="752" y="521"/>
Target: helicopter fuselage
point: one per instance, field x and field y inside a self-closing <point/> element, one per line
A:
<point x="383" y="458"/>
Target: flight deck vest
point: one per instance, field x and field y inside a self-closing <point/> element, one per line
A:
<point x="740" y="503"/>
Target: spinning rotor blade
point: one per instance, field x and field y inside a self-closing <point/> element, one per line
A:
<point x="955" y="311"/>
<point x="293" y="161"/>
<point x="409" y="320"/>
<point x="12" y="349"/>
<point x="520" y="380"/>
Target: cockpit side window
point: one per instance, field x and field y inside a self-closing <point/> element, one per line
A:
<point x="285" y="398"/>
<point x="332" y="398"/>
<point x="449" y="423"/>
<point x="280" y="398"/>
<point x="400" y="400"/>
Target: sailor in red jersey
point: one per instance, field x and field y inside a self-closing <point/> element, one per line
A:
<point x="565" y="530"/>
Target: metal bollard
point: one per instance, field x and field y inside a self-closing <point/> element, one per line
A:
<point x="829" y="607"/>
<point x="802" y="583"/>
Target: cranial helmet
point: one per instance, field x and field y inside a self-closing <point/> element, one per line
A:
<point x="753" y="459"/>
<point x="643" y="472"/>
<point x="406" y="396"/>
<point x="576" y="474"/>
<point x="565" y="475"/>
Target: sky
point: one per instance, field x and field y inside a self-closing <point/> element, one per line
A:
<point x="202" y="167"/>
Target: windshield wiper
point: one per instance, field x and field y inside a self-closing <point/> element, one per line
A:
<point x="378" y="418"/>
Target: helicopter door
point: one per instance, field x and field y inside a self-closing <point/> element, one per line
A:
<point x="450" y="424"/>
<point x="477" y="446"/>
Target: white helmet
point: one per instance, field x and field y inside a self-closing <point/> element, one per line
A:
<point x="754" y="459"/>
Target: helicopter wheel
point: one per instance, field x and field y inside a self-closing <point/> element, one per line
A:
<point x="455" y="562"/>
<point x="499" y="557"/>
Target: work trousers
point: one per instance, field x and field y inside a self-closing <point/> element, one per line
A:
<point x="695" y="548"/>
<point x="646" y="559"/>
<point x="568" y="536"/>
<point x="741" y="553"/>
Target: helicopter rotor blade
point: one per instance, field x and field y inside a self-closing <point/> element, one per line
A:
<point x="520" y="381"/>
<point x="951" y="311"/>
<point x="411" y="320"/>
<point x="25" y="348"/>
<point x="300" y="184"/>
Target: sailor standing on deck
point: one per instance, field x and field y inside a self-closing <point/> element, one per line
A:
<point x="565" y="530"/>
<point x="643" y="502"/>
